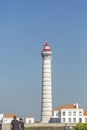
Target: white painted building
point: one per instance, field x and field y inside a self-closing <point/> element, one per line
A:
<point x="70" y="113"/>
<point x="8" y="118"/>
<point x="29" y="119"/>
<point x="1" y="117"/>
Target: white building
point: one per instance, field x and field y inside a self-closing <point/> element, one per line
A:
<point x="46" y="102"/>
<point x="1" y="117"/>
<point x="8" y="118"/>
<point x="29" y="119"/>
<point x="70" y="113"/>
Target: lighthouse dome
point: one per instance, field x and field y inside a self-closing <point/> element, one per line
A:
<point x="46" y="47"/>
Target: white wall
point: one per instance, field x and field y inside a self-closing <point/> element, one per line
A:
<point x="85" y="119"/>
<point x="1" y="117"/>
<point x="75" y="116"/>
<point x="29" y="120"/>
<point x="7" y="120"/>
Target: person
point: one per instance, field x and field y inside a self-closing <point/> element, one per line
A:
<point x="21" y="124"/>
<point x="65" y="127"/>
<point x="15" y="124"/>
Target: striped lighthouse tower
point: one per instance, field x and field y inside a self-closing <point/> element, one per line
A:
<point x="46" y="103"/>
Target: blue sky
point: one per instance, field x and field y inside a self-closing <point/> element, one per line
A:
<point x="25" y="25"/>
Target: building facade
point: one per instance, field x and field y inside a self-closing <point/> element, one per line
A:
<point x="1" y="118"/>
<point x="29" y="119"/>
<point x="8" y="118"/>
<point x="70" y="113"/>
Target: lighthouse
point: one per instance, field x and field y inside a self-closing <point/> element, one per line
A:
<point x="46" y="102"/>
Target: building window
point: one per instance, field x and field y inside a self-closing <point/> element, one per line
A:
<point x="80" y="120"/>
<point x="85" y="119"/>
<point x="80" y="113"/>
<point x="29" y="121"/>
<point x="59" y="114"/>
<point x="69" y="120"/>
<point x="69" y="113"/>
<point x="63" y="113"/>
<point x="74" y="113"/>
<point x="74" y="120"/>
<point x="64" y="120"/>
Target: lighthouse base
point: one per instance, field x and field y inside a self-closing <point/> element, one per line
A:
<point x="46" y="119"/>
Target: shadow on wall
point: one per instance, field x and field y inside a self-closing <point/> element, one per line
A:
<point x="54" y="120"/>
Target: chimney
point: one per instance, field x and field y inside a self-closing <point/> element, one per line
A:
<point x="77" y="106"/>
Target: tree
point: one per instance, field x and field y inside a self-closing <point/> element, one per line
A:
<point x="81" y="126"/>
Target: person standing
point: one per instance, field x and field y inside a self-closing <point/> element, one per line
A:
<point x="21" y="124"/>
<point x="15" y="125"/>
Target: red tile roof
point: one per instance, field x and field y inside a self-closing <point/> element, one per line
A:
<point x="85" y="112"/>
<point x="29" y="116"/>
<point x="10" y="115"/>
<point x="69" y="106"/>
